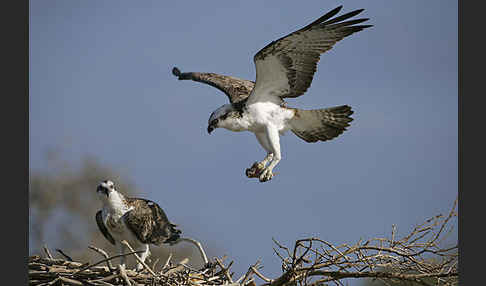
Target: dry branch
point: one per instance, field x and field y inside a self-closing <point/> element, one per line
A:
<point x="415" y="257"/>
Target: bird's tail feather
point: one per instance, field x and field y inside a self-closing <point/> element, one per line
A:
<point x="173" y="233"/>
<point x="321" y="124"/>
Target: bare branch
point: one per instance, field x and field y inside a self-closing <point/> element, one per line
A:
<point x="415" y="257"/>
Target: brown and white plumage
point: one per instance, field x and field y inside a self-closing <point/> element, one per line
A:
<point x="140" y="222"/>
<point x="284" y="69"/>
<point x="150" y="223"/>
<point x="237" y="90"/>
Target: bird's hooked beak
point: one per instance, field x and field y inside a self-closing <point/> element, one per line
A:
<point x="212" y="125"/>
<point x="103" y="190"/>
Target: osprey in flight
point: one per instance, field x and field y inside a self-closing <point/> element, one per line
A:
<point x="284" y="68"/>
<point x="138" y="221"/>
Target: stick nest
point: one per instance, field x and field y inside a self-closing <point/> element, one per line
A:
<point x="55" y="271"/>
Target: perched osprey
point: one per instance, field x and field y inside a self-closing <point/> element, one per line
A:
<point x="284" y="68"/>
<point x="138" y="221"/>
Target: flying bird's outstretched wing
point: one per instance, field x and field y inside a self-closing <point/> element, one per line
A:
<point x="103" y="229"/>
<point x="236" y="89"/>
<point x="149" y="222"/>
<point x="285" y="67"/>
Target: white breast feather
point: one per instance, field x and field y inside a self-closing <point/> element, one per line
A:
<point x="265" y="113"/>
<point x="112" y="217"/>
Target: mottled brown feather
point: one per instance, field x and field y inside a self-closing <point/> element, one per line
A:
<point x="237" y="90"/>
<point x="149" y="223"/>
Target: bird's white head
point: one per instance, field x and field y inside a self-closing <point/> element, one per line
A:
<point x="224" y="117"/>
<point x="108" y="194"/>
<point x="105" y="188"/>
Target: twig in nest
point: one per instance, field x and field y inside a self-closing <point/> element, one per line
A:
<point x="105" y="279"/>
<point x="167" y="262"/>
<point x="155" y="263"/>
<point x="248" y="273"/>
<point x="48" y="253"/>
<point x="64" y="254"/>
<point x="139" y="259"/>
<point x="123" y="274"/>
<point x="179" y="267"/>
<point x="225" y="270"/>
<point x="107" y="259"/>
<point x="102" y="252"/>
<point x="53" y="281"/>
<point x="70" y="281"/>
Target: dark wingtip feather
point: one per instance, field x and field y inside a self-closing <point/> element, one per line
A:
<point x="181" y="75"/>
<point x="344" y="16"/>
<point x="333" y="12"/>
<point x="176" y="72"/>
<point x="337" y="9"/>
<point x="363" y="26"/>
<point x="325" y="17"/>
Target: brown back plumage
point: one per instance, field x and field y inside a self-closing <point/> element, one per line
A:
<point x="149" y="222"/>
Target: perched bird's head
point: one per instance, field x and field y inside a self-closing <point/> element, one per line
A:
<point x="104" y="189"/>
<point x="223" y="117"/>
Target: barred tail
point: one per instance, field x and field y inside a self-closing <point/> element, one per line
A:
<point x="321" y="124"/>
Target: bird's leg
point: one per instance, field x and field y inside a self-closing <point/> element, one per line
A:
<point x="273" y="139"/>
<point x="255" y="170"/>
<point x="144" y="256"/>
<point x="123" y="258"/>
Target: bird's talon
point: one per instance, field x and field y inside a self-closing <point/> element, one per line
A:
<point x="266" y="176"/>
<point x="255" y="170"/>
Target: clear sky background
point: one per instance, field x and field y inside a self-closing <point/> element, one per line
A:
<point x="101" y="85"/>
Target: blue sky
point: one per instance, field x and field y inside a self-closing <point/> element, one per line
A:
<point x="101" y="84"/>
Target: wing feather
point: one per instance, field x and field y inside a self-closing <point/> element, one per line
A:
<point x="236" y="89"/>
<point x="103" y="229"/>
<point x="286" y="67"/>
<point x="149" y="222"/>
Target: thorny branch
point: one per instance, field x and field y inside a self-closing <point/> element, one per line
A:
<point x="416" y="257"/>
